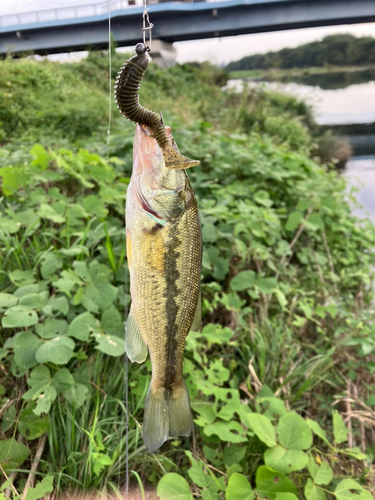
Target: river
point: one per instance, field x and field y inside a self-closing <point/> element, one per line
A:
<point x="339" y="99"/>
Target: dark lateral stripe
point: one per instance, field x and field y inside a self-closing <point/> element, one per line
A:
<point x="172" y="274"/>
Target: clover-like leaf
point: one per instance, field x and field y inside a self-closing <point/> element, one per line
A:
<point x="262" y="426"/>
<point x="57" y="350"/>
<point x="19" y="317"/>
<point x="109" y="344"/>
<point x="284" y="460"/>
<point x="294" y="433"/>
<point x="239" y="488"/>
<point x="172" y="486"/>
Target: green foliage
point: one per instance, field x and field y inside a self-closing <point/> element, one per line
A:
<point x="287" y="307"/>
<point x="337" y="50"/>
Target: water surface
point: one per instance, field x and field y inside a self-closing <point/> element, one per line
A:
<point x="360" y="173"/>
<point x="352" y="104"/>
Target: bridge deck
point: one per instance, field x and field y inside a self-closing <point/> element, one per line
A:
<point x="178" y="21"/>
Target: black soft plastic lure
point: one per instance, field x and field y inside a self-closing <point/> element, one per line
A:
<point x="128" y="83"/>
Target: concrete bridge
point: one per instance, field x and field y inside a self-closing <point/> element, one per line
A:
<point x="82" y="27"/>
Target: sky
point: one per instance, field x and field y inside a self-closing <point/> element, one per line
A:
<point x="216" y="50"/>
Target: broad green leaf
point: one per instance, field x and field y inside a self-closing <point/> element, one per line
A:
<point x="50" y="265"/>
<point x="63" y="380"/>
<point x="32" y="301"/>
<point x="294" y="433"/>
<point x="315" y="221"/>
<point x="209" y="233"/>
<point x="39" y="381"/>
<point x="340" y="430"/>
<point x="47" y="212"/>
<point x="109" y="344"/>
<point x="268" y="483"/>
<point x="315" y="427"/>
<point x="12" y="453"/>
<point x="112" y="323"/>
<point x="51" y="328"/>
<point x="172" y="486"/>
<point x="210" y="494"/>
<point x="76" y="395"/>
<point x="293" y="221"/>
<point x="7" y="300"/>
<point x="100" y="461"/>
<point x="231" y="432"/>
<point x="243" y="281"/>
<point x="234" y="454"/>
<point x="348" y="489"/>
<point x="321" y="474"/>
<point x="313" y="492"/>
<point x="216" y="334"/>
<point x="198" y="475"/>
<point x="239" y="488"/>
<point x="12" y="178"/>
<point x="31" y="426"/>
<point x="56" y="305"/>
<point x="40" y="490"/>
<point x="80" y="268"/>
<point x="274" y="406"/>
<point x="93" y="204"/>
<point x="263" y="198"/>
<point x="21" y="278"/>
<point x="262" y="427"/>
<point x="45" y="400"/>
<point x="8" y="418"/>
<point x="101" y="291"/>
<point x="266" y="285"/>
<point x="284" y="460"/>
<point x="82" y="325"/>
<point x="58" y="350"/>
<point x="207" y="412"/>
<point x="41" y="157"/>
<point x="67" y="281"/>
<point x="19" y="317"/>
<point x="25" y="348"/>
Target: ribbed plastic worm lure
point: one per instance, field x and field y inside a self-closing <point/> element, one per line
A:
<point x="128" y="83"/>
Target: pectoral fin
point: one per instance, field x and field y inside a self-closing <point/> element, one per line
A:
<point x="174" y="159"/>
<point x="197" y="321"/>
<point x="135" y="346"/>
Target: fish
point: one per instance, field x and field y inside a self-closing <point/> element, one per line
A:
<point x="164" y="252"/>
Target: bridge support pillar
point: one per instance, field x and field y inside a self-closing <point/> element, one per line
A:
<point x="163" y="54"/>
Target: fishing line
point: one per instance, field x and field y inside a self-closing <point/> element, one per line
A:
<point x="109" y="78"/>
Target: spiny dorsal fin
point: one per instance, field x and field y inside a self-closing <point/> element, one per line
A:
<point x="174" y="159"/>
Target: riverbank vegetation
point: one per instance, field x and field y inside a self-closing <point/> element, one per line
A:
<point x="334" y="50"/>
<point x="281" y="378"/>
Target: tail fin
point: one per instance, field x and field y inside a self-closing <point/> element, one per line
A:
<point x="166" y="413"/>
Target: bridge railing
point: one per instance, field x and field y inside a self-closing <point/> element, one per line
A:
<point x="73" y="12"/>
<point x="67" y="12"/>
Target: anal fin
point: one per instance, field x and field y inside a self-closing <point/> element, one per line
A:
<point x="135" y="346"/>
<point x="197" y="320"/>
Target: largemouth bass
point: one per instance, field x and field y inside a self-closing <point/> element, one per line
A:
<point x="164" y="251"/>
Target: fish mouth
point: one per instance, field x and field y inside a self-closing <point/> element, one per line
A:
<point x="171" y="155"/>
